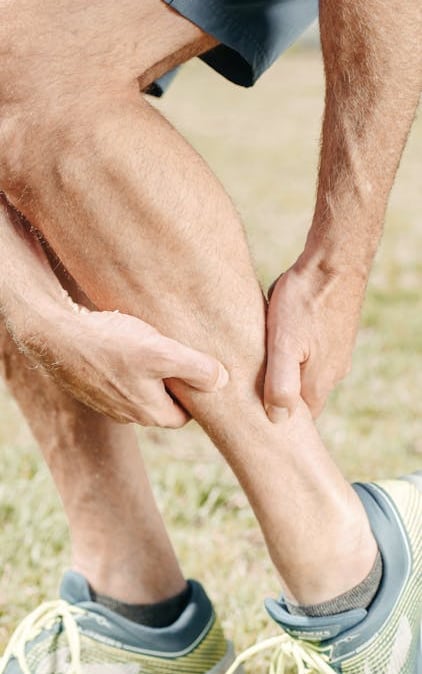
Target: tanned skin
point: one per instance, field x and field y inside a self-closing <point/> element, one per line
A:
<point x="373" y="65"/>
<point x="115" y="223"/>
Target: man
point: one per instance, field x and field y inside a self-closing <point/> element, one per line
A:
<point x="148" y="237"/>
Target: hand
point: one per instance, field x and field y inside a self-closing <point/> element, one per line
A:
<point x="313" y="318"/>
<point x="117" y="364"/>
<point x="114" y="363"/>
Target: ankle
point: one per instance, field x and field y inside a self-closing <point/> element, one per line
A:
<point x="343" y="565"/>
<point x="360" y="596"/>
<point x="127" y="582"/>
<point x="157" y="615"/>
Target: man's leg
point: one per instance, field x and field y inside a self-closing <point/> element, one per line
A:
<point x="171" y="250"/>
<point x="119" y="542"/>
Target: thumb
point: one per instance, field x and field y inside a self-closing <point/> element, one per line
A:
<point x="282" y="384"/>
<point x="195" y="368"/>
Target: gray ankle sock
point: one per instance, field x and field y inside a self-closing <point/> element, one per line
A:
<point x="358" y="597"/>
<point x="161" y="614"/>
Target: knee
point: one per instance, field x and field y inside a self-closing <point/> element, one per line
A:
<point x="32" y="118"/>
<point x="50" y="80"/>
<point x="34" y="137"/>
<point x="42" y="141"/>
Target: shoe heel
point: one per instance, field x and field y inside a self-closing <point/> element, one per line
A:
<point x="414" y="478"/>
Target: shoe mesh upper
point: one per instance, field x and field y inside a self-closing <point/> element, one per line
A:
<point x="394" y="650"/>
<point x="51" y="656"/>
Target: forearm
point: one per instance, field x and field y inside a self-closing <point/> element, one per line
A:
<point x="373" y="65"/>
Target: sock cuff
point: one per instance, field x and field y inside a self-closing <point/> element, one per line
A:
<point x="161" y="614"/>
<point x="359" y="596"/>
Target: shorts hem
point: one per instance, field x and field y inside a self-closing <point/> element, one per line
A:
<point x="238" y="57"/>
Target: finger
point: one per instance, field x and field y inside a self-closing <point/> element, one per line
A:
<point x="199" y="370"/>
<point x="272" y="287"/>
<point x="162" y="410"/>
<point x="315" y="405"/>
<point x="172" y="416"/>
<point x="317" y="408"/>
<point x="282" y="384"/>
<point x="315" y="396"/>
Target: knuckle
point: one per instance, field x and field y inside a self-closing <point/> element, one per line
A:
<point x="155" y="417"/>
<point x="312" y="390"/>
<point x="160" y="420"/>
<point x="146" y="420"/>
<point x="316" y="410"/>
<point x="317" y="392"/>
<point x="278" y="395"/>
<point x="312" y="401"/>
<point x="165" y="418"/>
<point x="175" y="424"/>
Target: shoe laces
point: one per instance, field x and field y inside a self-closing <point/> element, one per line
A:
<point x="41" y="619"/>
<point x="290" y="656"/>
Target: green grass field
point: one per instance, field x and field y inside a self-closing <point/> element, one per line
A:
<point x="263" y="144"/>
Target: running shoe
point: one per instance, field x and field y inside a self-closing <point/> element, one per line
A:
<point x="75" y="635"/>
<point x="384" y="639"/>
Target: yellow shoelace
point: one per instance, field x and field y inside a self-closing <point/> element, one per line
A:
<point x="43" y="618"/>
<point x="290" y="656"/>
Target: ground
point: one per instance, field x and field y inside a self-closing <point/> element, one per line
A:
<point x="263" y="144"/>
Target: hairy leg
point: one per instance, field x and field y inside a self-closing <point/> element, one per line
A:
<point x="171" y="250"/>
<point x="119" y="542"/>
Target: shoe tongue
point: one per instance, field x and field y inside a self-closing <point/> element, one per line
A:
<point x="313" y="629"/>
<point x="74" y="588"/>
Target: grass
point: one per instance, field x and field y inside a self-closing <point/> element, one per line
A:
<point x="263" y="144"/>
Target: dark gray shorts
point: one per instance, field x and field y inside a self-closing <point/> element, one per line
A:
<point x="252" y="33"/>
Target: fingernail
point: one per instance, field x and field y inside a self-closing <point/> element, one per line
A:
<point x="277" y="414"/>
<point x="223" y="378"/>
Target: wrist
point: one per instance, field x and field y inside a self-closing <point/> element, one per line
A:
<point x="324" y="276"/>
<point x="35" y="319"/>
<point x="323" y="263"/>
<point x="334" y="252"/>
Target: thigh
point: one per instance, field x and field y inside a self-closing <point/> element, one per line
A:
<point x="52" y="47"/>
<point x="65" y="60"/>
<point x="134" y="213"/>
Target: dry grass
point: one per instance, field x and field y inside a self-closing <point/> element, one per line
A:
<point x="263" y="144"/>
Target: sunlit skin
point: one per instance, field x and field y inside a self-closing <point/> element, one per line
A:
<point x="84" y="158"/>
